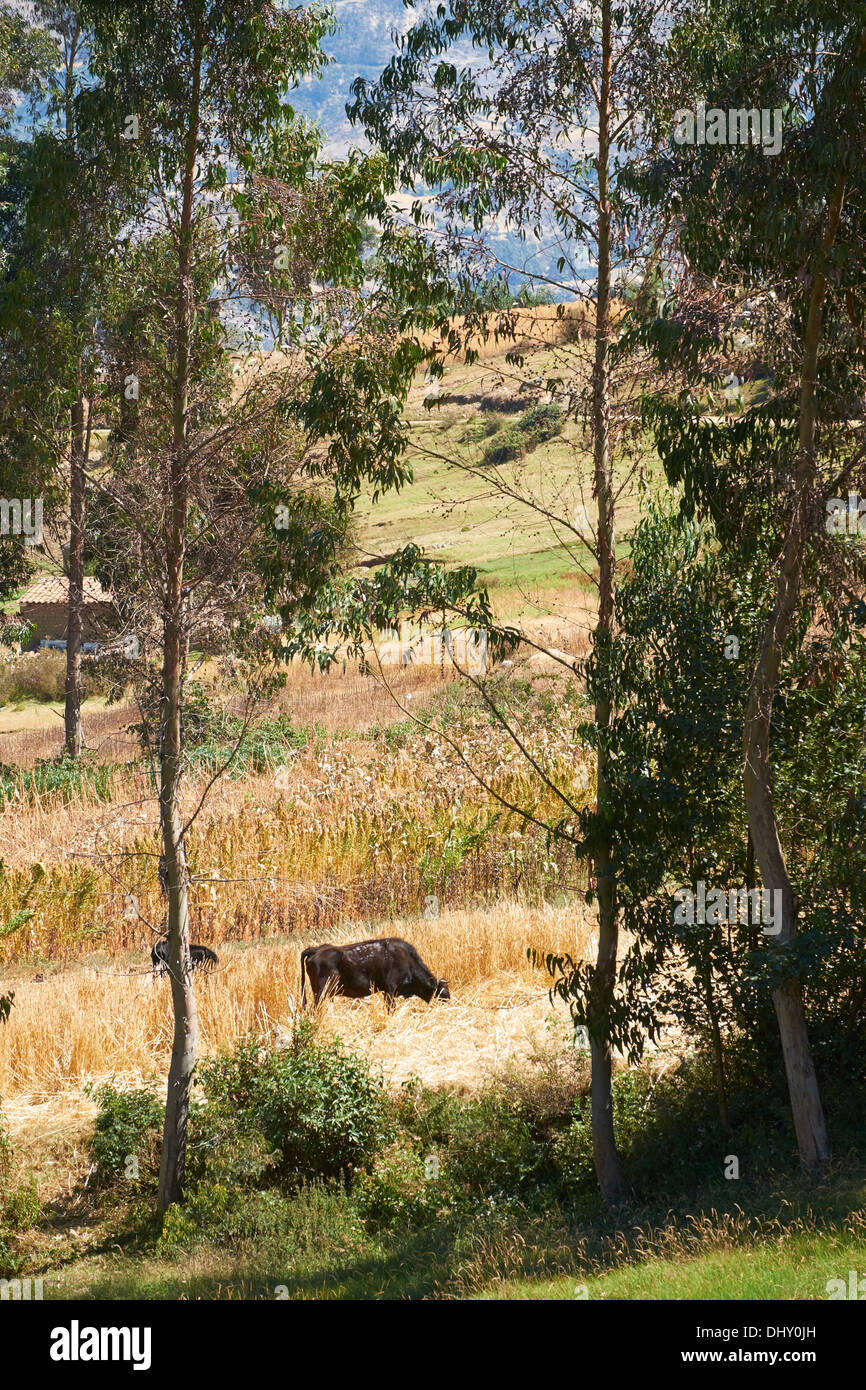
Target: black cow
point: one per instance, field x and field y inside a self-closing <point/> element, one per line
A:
<point x="386" y="964"/>
<point x="201" y="957"/>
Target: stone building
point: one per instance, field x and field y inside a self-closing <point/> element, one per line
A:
<point x="45" y="604"/>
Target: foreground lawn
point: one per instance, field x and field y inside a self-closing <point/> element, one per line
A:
<point x="770" y="1249"/>
<point x="797" y="1269"/>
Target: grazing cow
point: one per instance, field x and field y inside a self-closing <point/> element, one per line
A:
<point x="201" y="957"/>
<point x="387" y="964"/>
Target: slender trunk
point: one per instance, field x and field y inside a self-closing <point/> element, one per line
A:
<point x="751" y="930"/>
<point x="806" y="1105"/>
<point x="77" y="461"/>
<point x="75" y="597"/>
<point x="175" y="649"/>
<point x="608" y="1165"/>
<point x="185" y="1043"/>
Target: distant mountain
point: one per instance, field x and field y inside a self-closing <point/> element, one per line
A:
<point x="362" y="47"/>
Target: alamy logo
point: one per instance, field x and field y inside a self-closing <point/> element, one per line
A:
<point x="719" y="908"/>
<point x="76" y="1343"/>
<point x="466" y="647"/>
<point x="22" y="516"/>
<point x="855" y="1288"/>
<point x="18" y="1289"/>
<point x="740" y="126"/>
<point x="847" y="518"/>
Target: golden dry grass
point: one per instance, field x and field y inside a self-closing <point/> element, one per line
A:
<point x="36" y="731"/>
<point x="85" y="1025"/>
<point x="542" y="325"/>
<point x="348" y="829"/>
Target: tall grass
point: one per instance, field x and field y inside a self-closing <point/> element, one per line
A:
<point x="356" y="828"/>
<point x="85" y="1024"/>
<point x="37" y="675"/>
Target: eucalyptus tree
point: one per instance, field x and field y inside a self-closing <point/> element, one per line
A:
<point x="525" y="117"/>
<point x="773" y="241"/>
<point x="269" y="372"/>
<point x="28" y="51"/>
<point x="67" y="198"/>
<point x="27" y="55"/>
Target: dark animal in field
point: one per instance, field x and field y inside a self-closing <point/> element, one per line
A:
<point x="201" y="957"/>
<point x="387" y="964"/>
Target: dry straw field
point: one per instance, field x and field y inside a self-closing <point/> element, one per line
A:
<point x="349" y="837"/>
<point x="86" y="1023"/>
<point x="341" y="828"/>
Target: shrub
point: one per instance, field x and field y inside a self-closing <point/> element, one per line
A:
<point x="539" y="424"/>
<point x="284" y="1234"/>
<point x="405" y="1189"/>
<point x="20" y="1209"/>
<point x="508" y="443"/>
<point x="318" y="1108"/>
<point x="498" y="1154"/>
<point x="128" y="1126"/>
<point x="481" y="428"/>
<point x="542" y="422"/>
<point x="264" y="745"/>
<point x="64" y="778"/>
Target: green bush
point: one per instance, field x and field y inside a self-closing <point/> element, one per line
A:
<point x="287" y="1235"/>
<point x="128" y="1127"/>
<point x="404" y="1190"/>
<point x="263" y="747"/>
<point x="20" y="1209"/>
<point x="542" y="422"/>
<point x="539" y="424"/>
<point x="508" y="443"/>
<point x="318" y="1108"/>
<point x="498" y="1154"/>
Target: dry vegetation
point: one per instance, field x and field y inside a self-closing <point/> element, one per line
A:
<point x="344" y="829"/>
<point x="345" y="839"/>
<point x="88" y="1023"/>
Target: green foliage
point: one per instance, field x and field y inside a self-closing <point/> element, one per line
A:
<point x="14" y="631"/>
<point x="673" y="806"/>
<point x="317" y="1108"/>
<point x="62" y="778"/>
<point x="446" y="850"/>
<point x="403" y="1190"/>
<point x="284" y="1234"/>
<point x="128" y="1126"/>
<point x="20" y="1209"/>
<point x="13" y="924"/>
<point x="538" y="425"/>
<point x="497" y="293"/>
<point x="261" y="747"/>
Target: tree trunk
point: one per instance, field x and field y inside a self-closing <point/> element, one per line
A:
<point x="608" y="1165"/>
<point x="78" y="450"/>
<point x="175" y="650"/>
<point x="75" y="596"/>
<point x="806" y="1105"/>
<point x="185" y="1044"/>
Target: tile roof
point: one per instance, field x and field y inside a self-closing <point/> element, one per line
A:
<point x="54" y="588"/>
